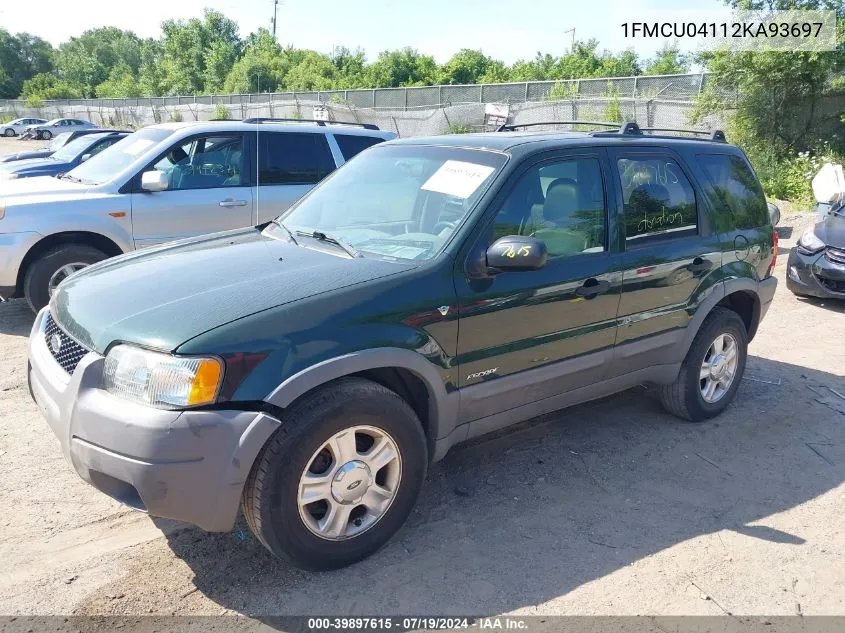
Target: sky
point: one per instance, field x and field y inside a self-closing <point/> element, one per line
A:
<point x="505" y="30"/>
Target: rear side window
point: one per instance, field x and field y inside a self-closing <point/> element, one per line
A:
<point x="293" y="158"/>
<point x="737" y="189"/>
<point x="659" y="200"/>
<point x="351" y="145"/>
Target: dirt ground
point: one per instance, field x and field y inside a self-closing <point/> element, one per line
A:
<point x="613" y="507"/>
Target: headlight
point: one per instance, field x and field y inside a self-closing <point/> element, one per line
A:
<point x="161" y="380"/>
<point x="809" y="242"/>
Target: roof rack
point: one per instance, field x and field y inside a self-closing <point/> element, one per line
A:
<point x="366" y="126"/>
<point x="509" y="127"/>
<point x="629" y="128"/>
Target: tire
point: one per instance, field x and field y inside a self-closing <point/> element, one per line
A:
<point x="36" y="284"/>
<point x="684" y="397"/>
<point x="271" y="493"/>
<point x="9" y="132"/>
<point x="46" y="135"/>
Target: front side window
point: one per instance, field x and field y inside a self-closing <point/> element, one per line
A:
<point x="293" y="158"/>
<point x="206" y="162"/>
<point x="659" y="200"/>
<point x="396" y="202"/>
<point x="561" y="203"/>
<point x="737" y="189"/>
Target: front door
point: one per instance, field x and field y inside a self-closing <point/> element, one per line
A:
<point x="529" y="335"/>
<point x="671" y="250"/>
<point x="209" y="191"/>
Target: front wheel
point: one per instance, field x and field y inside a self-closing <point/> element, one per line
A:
<point x="340" y="476"/>
<point x="712" y="370"/>
<point x="9" y="132"/>
<point x="51" y="268"/>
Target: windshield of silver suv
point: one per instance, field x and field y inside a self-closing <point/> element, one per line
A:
<point x="395" y="202"/>
<point x="106" y="165"/>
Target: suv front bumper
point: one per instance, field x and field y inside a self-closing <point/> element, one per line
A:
<point x="815" y="275"/>
<point x="185" y="465"/>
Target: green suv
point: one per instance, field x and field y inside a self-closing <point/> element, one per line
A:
<point x="432" y="290"/>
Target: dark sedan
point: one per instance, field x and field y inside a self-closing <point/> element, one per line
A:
<point x="816" y="266"/>
<point x="53" y="146"/>
<point x="63" y="160"/>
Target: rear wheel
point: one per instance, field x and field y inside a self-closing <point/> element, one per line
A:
<point x="46" y="135"/>
<point x="339" y="477"/>
<point x="51" y="268"/>
<point x="712" y="370"/>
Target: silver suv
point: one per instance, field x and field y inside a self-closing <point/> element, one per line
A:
<point x="165" y="182"/>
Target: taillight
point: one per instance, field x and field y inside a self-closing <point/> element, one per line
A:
<point x="774" y="250"/>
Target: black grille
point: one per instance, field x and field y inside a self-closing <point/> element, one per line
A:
<point x="69" y="351"/>
<point x="832" y="284"/>
<point x="835" y="255"/>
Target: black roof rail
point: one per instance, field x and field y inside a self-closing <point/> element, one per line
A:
<point x="509" y="127"/>
<point x="366" y="126"/>
<point x="714" y="135"/>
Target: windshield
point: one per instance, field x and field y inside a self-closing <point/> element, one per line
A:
<point x="58" y="141"/>
<point x="77" y="147"/>
<point x="397" y="202"/>
<point x="106" y="165"/>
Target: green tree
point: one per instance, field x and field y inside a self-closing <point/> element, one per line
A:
<point x="122" y="82"/>
<point x="668" y="61"/>
<point x="22" y="56"/>
<point x="196" y="52"/>
<point x="47" y="86"/>
<point x="351" y="68"/>
<point x="150" y="71"/>
<point x="469" y="66"/>
<point x="314" y="71"/>
<point x="86" y="61"/>
<point x="404" y="67"/>
<point x="263" y="65"/>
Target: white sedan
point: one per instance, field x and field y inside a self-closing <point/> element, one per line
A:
<point x="46" y="131"/>
<point x="16" y="127"/>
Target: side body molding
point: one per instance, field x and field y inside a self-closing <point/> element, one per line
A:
<point x="443" y="406"/>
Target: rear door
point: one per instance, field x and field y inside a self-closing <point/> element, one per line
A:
<point x="209" y="190"/>
<point x="289" y="165"/>
<point x="528" y="335"/>
<point x="670" y="251"/>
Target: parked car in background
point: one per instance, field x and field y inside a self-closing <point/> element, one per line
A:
<point x="816" y="266"/>
<point x="432" y="290"/>
<point x="46" y="131"/>
<point x="63" y="160"/>
<point x="56" y="143"/>
<point x="16" y="127"/>
<point x="164" y="182"/>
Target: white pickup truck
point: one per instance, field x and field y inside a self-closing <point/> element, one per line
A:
<point x="162" y="183"/>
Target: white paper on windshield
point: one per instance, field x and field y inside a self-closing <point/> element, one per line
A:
<point x="829" y="183"/>
<point x="458" y="178"/>
<point x="138" y="146"/>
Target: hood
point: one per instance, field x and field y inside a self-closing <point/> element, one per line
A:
<point x="831" y="231"/>
<point x="10" y="158"/>
<point x="34" y="165"/>
<point x="39" y="189"/>
<point x="164" y="296"/>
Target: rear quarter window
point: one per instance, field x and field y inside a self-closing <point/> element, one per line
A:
<point x="737" y="191"/>
<point x="351" y="145"/>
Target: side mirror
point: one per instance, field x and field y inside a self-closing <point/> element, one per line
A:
<point x="84" y="158"/>
<point x="517" y="252"/>
<point x="774" y="213"/>
<point x="154" y="180"/>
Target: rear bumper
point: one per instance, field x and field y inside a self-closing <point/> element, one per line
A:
<point x="766" y="291"/>
<point x="185" y="465"/>
<point x="815" y="276"/>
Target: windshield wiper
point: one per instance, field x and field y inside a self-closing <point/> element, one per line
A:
<point x="281" y="224"/>
<point x="70" y="178"/>
<point x="323" y="237"/>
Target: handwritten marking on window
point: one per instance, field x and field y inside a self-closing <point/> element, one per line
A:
<point x="659" y="221"/>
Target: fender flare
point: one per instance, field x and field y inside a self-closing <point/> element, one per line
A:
<point x="443" y="407"/>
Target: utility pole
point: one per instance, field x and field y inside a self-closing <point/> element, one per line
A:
<point x="275" y="13"/>
<point x="572" y="46"/>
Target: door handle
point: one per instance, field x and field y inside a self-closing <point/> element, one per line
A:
<point x="232" y="203"/>
<point x="592" y="288"/>
<point x="699" y="265"/>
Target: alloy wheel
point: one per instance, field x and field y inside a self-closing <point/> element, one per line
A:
<point x="718" y="369"/>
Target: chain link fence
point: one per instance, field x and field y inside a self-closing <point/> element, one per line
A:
<point x="676" y="87"/>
